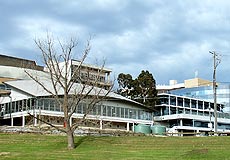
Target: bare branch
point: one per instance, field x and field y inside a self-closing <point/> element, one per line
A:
<point x="78" y="69"/>
<point x="68" y="78"/>
<point x="50" y="124"/>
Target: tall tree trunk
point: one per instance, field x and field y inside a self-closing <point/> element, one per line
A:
<point x="70" y="137"/>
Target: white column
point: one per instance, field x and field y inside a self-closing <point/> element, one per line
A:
<point x="101" y="124"/>
<point x="35" y="119"/>
<point x="12" y="121"/>
<point x="181" y="122"/>
<point x="127" y="126"/>
<point x="23" y="121"/>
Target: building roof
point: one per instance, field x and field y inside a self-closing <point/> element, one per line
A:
<point x="196" y="82"/>
<point x="189" y="83"/>
<point x="34" y="89"/>
<point x="10" y="73"/>
<point x="19" y="62"/>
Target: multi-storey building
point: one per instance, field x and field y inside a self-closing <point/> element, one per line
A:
<point x="201" y="89"/>
<point x="189" y="106"/>
<point x="185" y="114"/>
<point x="184" y="107"/>
<point x="206" y="93"/>
<point x="22" y="97"/>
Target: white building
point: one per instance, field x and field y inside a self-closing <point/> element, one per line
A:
<point x="182" y="114"/>
<point x="27" y="97"/>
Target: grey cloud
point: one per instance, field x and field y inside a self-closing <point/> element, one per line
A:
<point x="169" y="38"/>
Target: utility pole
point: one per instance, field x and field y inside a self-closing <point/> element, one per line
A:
<point x="216" y="62"/>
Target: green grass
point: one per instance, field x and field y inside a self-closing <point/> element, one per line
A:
<point x="35" y="146"/>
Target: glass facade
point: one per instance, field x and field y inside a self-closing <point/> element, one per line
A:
<point x="173" y="104"/>
<point x="49" y="104"/>
<point x="206" y="93"/>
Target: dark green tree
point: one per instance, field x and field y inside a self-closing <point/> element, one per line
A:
<point x="142" y="89"/>
<point x="145" y="89"/>
<point x="125" y="84"/>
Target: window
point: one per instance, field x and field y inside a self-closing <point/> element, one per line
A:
<point x="173" y="101"/>
<point x="104" y="111"/>
<point x="187" y="111"/>
<point x="193" y="103"/>
<point x="7" y="108"/>
<point x="194" y="112"/>
<point x="206" y="113"/>
<point x="99" y="110"/>
<point x="149" y="116"/>
<point x="122" y="113"/>
<point x="79" y="108"/>
<point x="142" y="114"/>
<point x="134" y="114"/>
<point x="165" y="110"/>
<point x="57" y="107"/>
<point x="109" y="111"/>
<point x="19" y="106"/>
<point x="126" y="113"/>
<point x="179" y="101"/>
<point x="138" y="114"/>
<point x="113" y="111"/>
<point x="94" y="111"/>
<point x="200" y="113"/>
<point x="84" y="107"/>
<point x="200" y="105"/>
<point x="52" y="104"/>
<point x="206" y="105"/>
<point x="24" y="107"/>
<point x="180" y="110"/>
<point x="187" y="103"/>
<point x="14" y="107"/>
<point x="118" y="112"/>
<point x="46" y="104"/>
<point x="212" y="105"/>
<point x="172" y="110"/>
<point x="164" y="100"/>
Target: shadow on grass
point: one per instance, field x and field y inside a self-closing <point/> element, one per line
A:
<point x="80" y="141"/>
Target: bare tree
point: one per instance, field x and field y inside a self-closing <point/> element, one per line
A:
<point x="69" y="81"/>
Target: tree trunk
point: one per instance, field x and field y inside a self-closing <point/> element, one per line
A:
<point x="70" y="139"/>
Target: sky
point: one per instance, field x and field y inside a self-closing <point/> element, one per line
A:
<point x="169" y="38"/>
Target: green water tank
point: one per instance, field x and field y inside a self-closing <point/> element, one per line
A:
<point x="158" y="130"/>
<point x="142" y="128"/>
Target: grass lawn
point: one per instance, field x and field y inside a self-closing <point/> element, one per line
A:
<point x="35" y="146"/>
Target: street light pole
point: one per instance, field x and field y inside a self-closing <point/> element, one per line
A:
<point x="216" y="62"/>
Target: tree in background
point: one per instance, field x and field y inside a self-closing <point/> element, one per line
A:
<point x="145" y="89"/>
<point x="68" y="81"/>
<point x="142" y="89"/>
<point x="125" y="82"/>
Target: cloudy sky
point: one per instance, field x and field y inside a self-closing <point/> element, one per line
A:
<point x="169" y="38"/>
